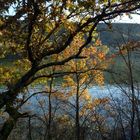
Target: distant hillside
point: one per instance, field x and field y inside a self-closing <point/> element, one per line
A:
<point x="119" y="33"/>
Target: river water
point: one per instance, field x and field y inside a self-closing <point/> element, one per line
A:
<point x="32" y="105"/>
<point x="96" y="92"/>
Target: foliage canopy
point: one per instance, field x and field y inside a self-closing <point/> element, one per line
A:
<point x="43" y="34"/>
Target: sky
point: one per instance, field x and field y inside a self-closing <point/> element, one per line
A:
<point x="125" y="19"/>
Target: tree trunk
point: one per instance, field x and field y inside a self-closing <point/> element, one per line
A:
<point x="30" y="131"/>
<point x="7" y="128"/>
<point x="50" y="111"/>
<point x="77" y="110"/>
<point x="133" y="95"/>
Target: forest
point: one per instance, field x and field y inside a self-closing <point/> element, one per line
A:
<point x="67" y="71"/>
